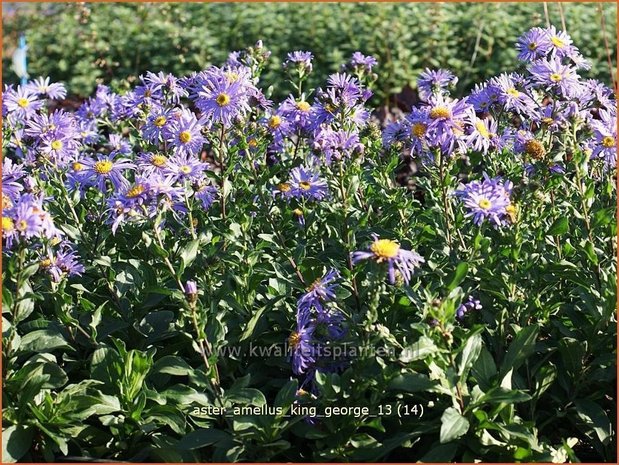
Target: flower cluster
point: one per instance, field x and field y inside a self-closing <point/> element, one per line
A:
<point x="319" y="325"/>
<point x="542" y="103"/>
<point x="465" y="307"/>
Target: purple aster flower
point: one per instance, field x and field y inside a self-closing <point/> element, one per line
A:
<point x="560" y="43"/>
<point x="150" y="162"/>
<point x="44" y="88"/>
<point x="300" y="342"/>
<point x="511" y="92"/>
<point x="533" y="44"/>
<point x="168" y="84"/>
<point x="21" y="103"/>
<point x="223" y="94"/>
<point x="396" y="131"/>
<point x="206" y="195"/>
<point x="482" y="135"/>
<point x="25" y="221"/>
<point x="435" y="82"/>
<point x="283" y="189"/>
<point x="605" y="134"/>
<point x="185" y="168"/>
<point x="400" y="261"/>
<point x="362" y="64"/>
<point x="105" y="167"/>
<point x="298" y="113"/>
<point x="299" y="61"/>
<point x="156" y="125"/>
<point x="336" y="145"/>
<point x="484" y="96"/>
<point x="487" y="200"/>
<point x="307" y="184"/>
<point x="551" y="73"/>
<point x="185" y="134"/>
<point x="63" y="263"/>
<point x="418" y="123"/>
<point x="320" y="291"/>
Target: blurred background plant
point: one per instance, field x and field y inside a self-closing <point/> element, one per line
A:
<point x="85" y="44"/>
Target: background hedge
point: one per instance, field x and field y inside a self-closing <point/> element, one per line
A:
<point x="114" y="43"/>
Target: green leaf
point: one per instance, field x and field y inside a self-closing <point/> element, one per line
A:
<point x="499" y="395"/>
<point x="559" y="227"/>
<point x="202" y="438"/>
<point x="484" y="369"/>
<point x="16" y="440"/>
<point x="189" y="253"/>
<point x="595" y="418"/>
<point x="458" y="275"/>
<point x="411" y="382"/>
<point x="287" y="394"/>
<point x="469" y="354"/>
<point x="251" y="324"/>
<point x="520" y="349"/>
<point x="453" y="425"/>
<point x="172" y="365"/>
<point x="43" y="340"/>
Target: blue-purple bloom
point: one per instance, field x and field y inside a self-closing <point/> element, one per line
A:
<point x="185" y="134"/>
<point x="435" y="82"/>
<point x="400" y="262"/>
<point x="488" y="199"/>
<point x="307" y="184"/>
<point x="465" y="307"/>
<point x="105" y="167"/>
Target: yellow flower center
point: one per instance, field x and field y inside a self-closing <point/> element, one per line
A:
<point x="160" y="121"/>
<point x="274" y="122"/>
<point x="158" y="160"/>
<point x="299" y="212"/>
<point x="512" y="212"/>
<point x="305" y="185"/>
<point x="535" y="148"/>
<point x="419" y="130"/>
<point x="554" y="77"/>
<point x="482" y="129"/>
<point x="484" y="204"/>
<point x="185" y="169"/>
<point x="45" y="263"/>
<point x="284" y="187"/>
<point x="294" y="339"/>
<point x="557" y="42"/>
<point x="21" y="225"/>
<point x="547" y="120"/>
<point x="56" y="144"/>
<point x="6" y="202"/>
<point x="532" y="46"/>
<point x="184" y="137"/>
<point x="609" y="141"/>
<point x="232" y="76"/>
<point x="252" y="142"/>
<point x="513" y="92"/>
<point x="135" y="191"/>
<point x="223" y="99"/>
<point x="385" y="248"/>
<point x="7" y="224"/>
<point x="440" y="111"/>
<point x="23" y="102"/>
<point x="330" y="108"/>
<point x="103" y="167"/>
<point x="303" y="106"/>
<point x="77" y="166"/>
